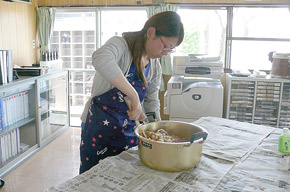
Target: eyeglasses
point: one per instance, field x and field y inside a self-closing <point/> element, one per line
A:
<point x="170" y="50"/>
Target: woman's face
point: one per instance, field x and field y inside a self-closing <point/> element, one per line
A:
<point x="156" y="47"/>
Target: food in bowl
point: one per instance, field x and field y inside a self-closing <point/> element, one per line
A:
<point x="161" y="135"/>
<point x="167" y="156"/>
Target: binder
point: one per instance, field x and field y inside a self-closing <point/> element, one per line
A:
<point x="2" y="125"/>
<point x="6" y="147"/>
<point x="2" y="67"/>
<point x="22" y="111"/>
<point x="18" y="140"/>
<point x="6" y="66"/>
<point x="13" y="143"/>
<point x="3" y="149"/>
<point x="9" y="66"/>
<point x="5" y="111"/>
<point x="9" y="145"/>
<point x="26" y="105"/>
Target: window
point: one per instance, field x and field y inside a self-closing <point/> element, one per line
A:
<point x="115" y="22"/>
<point x="255" y="33"/>
<point x="204" y="31"/>
<point x="261" y="22"/>
<point x="254" y="54"/>
<point x="75" y="37"/>
<point x="241" y="36"/>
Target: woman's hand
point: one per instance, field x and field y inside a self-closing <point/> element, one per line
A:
<point x="135" y="111"/>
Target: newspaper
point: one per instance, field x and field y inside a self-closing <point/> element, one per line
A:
<point x="264" y="170"/>
<point x="236" y="157"/>
<point x="126" y="172"/>
<point x="231" y="140"/>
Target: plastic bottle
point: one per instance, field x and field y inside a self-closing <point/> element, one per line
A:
<point x="284" y="151"/>
<point x="284" y="141"/>
<point x="56" y="54"/>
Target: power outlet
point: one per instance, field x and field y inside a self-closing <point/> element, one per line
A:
<point x="33" y="44"/>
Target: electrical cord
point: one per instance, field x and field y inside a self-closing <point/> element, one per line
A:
<point x="1" y="183"/>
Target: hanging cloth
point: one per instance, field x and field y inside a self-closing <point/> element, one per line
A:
<point x="45" y="24"/>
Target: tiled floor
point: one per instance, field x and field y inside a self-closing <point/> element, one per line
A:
<point x="54" y="164"/>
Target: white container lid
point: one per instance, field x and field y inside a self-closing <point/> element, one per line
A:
<point x="281" y="55"/>
<point x="285" y="130"/>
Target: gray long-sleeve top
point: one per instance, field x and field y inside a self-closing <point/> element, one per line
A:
<point x="113" y="58"/>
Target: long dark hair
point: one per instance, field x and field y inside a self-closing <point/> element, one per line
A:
<point x="166" y="23"/>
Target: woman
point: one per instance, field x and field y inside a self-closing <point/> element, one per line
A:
<point x="126" y="66"/>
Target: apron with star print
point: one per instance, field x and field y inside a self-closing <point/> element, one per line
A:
<point x="108" y="130"/>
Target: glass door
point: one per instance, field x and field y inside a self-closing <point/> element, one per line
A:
<point x="18" y="133"/>
<point x="53" y="105"/>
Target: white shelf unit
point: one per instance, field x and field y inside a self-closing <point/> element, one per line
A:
<point x="258" y="100"/>
<point x="14" y="149"/>
<point x="75" y="50"/>
<point x="81" y="82"/>
<point x="47" y="107"/>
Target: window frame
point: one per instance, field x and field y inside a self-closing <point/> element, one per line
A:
<point x="229" y="8"/>
<point x="230" y="38"/>
<point x="207" y="7"/>
<point x="98" y="14"/>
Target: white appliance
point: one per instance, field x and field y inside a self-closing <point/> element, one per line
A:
<point x="195" y="89"/>
<point x="198" y="66"/>
<point x="189" y="98"/>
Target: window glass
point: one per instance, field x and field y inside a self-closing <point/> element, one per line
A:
<point x="115" y="22"/>
<point x="74" y="36"/>
<point x="261" y="22"/>
<point x="254" y="54"/>
<point x="74" y="21"/>
<point x="205" y="31"/>
<point x="258" y="23"/>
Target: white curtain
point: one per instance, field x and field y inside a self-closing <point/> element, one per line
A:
<point x="166" y="61"/>
<point x="152" y="10"/>
<point x="45" y="24"/>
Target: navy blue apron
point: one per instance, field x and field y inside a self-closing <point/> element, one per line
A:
<point x="108" y="130"/>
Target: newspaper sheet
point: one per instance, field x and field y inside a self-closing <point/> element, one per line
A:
<point x="126" y="172"/>
<point x="231" y="140"/>
<point x="264" y="170"/>
<point x="236" y="157"/>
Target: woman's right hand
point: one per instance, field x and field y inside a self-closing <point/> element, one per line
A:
<point x="135" y="111"/>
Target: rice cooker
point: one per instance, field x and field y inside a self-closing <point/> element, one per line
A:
<point x="281" y="65"/>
